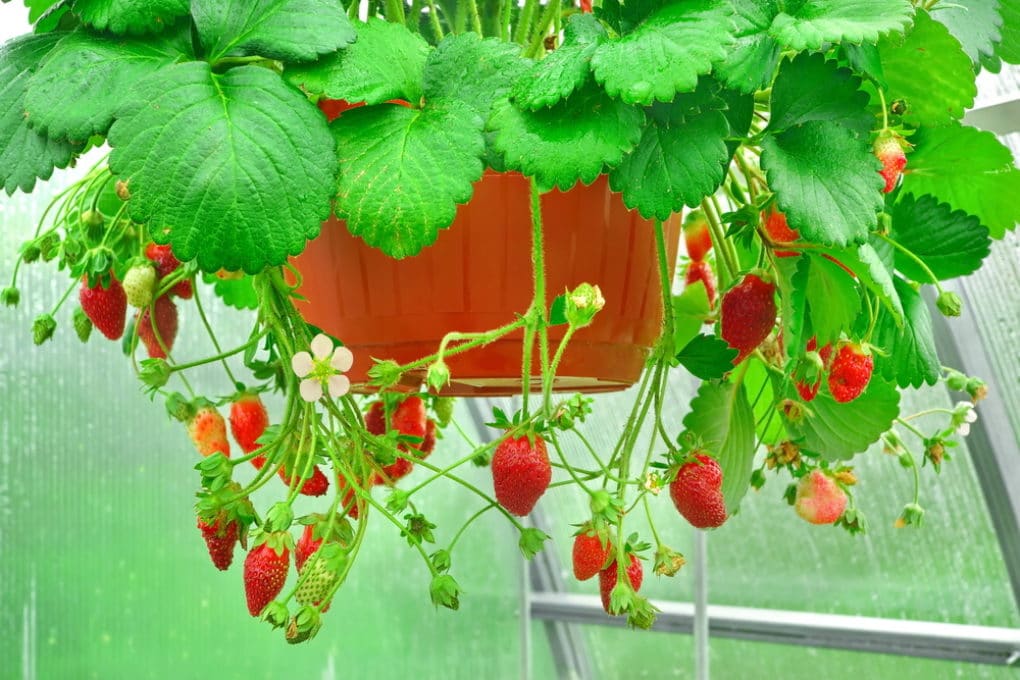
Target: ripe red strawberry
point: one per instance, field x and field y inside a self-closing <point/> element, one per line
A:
<point x="429" y="442"/>
<point x="248" y="421"/>
<point x="809" y="390"/>
<point x="265" y="572"/>
<point x="165" y="261"/>
<point x="609" y="576"/>
<point x="375" y="418"/>
<point x="409" y="418"/>
<point x="697" y="492"/>
<point x="221" y="541"/>
<point x="208" y="431"/>
<point x="748" y="314"/>
<point x="350" y="500"/>
<point x="850" y="372"/>
<point x="779" y="231"/>
<point x="306" y="546"/>
<point x="889" y="150"/>
<point x="106" y="308"/>
<point x="589" y="555"/>
<point x="316" y="485"/>
<point x="520" y="473"/>
<point x="166" y="324"/>
<point x="702" y="271"/>
<point x="395" y="471"/>
<point x="819" y="499"/>
<point x="696" y="236"/>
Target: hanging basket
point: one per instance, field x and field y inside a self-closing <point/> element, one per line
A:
<point x="477" y="277"/>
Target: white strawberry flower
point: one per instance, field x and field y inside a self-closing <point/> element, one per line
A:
<point x="963" y="415"/>
<point x="323" y="368"/>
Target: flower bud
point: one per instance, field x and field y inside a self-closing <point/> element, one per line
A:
<point x="583" y="303"/>
<point x="949" y="303"/>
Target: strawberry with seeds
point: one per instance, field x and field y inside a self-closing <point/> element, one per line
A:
<point x="697" y="492"/>
<point x="248" y="420"/>
<point x="265" y="570"/>
<point x="206" y="428"/>
<point x="850" y="371"/>
<point x="220" y="537"/>
<point x="748" y="314"/>
<point x="166" y="327"/>
<point x="609" y="576"/>
<point x="105" y="306"/>
<point x="165" y="261"/>
<point x="521" y="472"/>
<point x="888" y="148"/>
<point x="696" y="236"/>
<point x="819" y="498"/>
<point x="702" y="271"/>
<point x="591" y="552"/>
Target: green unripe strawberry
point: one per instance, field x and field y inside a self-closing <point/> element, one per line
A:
<point x="140" y="285"/>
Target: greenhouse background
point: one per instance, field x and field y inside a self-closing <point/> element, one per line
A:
<point x="103" y="575"/>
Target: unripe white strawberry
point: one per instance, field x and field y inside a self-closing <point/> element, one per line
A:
<point x="140" y="285"/>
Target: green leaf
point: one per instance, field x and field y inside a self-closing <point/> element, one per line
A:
<point x="792" y="282"/>
<point x="751" y="62"/>
<point x="568" y="142"/>
<point x="386" y="62"/>
<point x="722" y="419"/>
<point x="236" y="293"/>
<point x="87" y="77"/>
<point x="667" y="53"/>
<point x="690" y="309"/>
<point x="564" y="70"/>
<point x="809" y="24"/>
<point x="809" y="88"/>
<point x="130" y="16"/>
<point x="25" y="154"/>
<point x="681" y="158"/>
<point x="950" y="242"/>
<point x="970" y="170"/>
<point x="930" y="72"/>
<point x="707" y="357"/>
<point x="1009" y="48"/>
<point x="37" y="8"/>
<point x="837" y="431"/>
<point x="739" y="112"/>
<point x="235" y="170"/>
<point x="975" y="23"/>
<point x="758" y="381"/>
<point x="910" y="351"/>
<point x="288" y="30"/>
<point x="832" y="298"/>
<point x="558" y="311"/>
<point x="472" y="70"/>
<point x="866" y="60"/>
<point x="826" y="181"/>
<point x="865" y="262"/>
<point x="403" y="171"/>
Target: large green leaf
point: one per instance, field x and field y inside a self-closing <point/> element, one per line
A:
<point x="975" y="23"/>
<point x="566" y="69"/>
<point x="762" y="389"/>
<point x="950" y="242"/>
<point x="792" y="282"/>
<point x="707" y="357"/>
<point x="130" y="16"/>
<point x="865" y="262"/>
<point x="909" y="352"/>
<point x="237" y="293"/>
<point x="751" y="62"/>
<point x="403" y="171"/>
<point x="289" y="30"/>
<point x="386" y="62"/>
<point x="1009" y="48"/>
<point x="88" y="76"/>
<point x="722" y="419"/>
<point x="837" y="431"/>
<point x="866" y="60"/>
<point x="472" y="70"/>
<point x="929" y="71"/>
<point x="25" y="154"/>
<point x="970" y="170"/>
<point x="667" y="53"/>
<point x="809" y="24"/>
<point x="832" y="298"/>
<point x="681" y="158"/>
<point x="809" y="88"/>
<point x="573" y="140"/>
<point x="234" y="169"/>
<point x="826" y="181"/>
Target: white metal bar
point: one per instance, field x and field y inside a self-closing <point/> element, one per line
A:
<point x="700" y="605"/>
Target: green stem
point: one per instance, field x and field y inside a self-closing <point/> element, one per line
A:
<point x="222" y="355"/>
<point x="472" y="518"/>
<point x="212" y="335"/>
<point x="909" y="253"/>
<point x="476" y="22"/>
<point x="539" y="303"/>
<point x="537" y="45"/>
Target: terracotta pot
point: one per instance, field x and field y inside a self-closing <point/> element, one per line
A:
<point x="477" y="276"/>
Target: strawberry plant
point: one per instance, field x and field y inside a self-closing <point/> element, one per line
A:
<point x="814" y="149"/>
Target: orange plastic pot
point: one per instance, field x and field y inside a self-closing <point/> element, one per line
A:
<point x="477" y="277"/>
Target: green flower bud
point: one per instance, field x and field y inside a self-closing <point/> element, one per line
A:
<point x="43" y="328"/>
<point x="949" y="303"/>
<point x="438" y="375"/>
<point x="583" y="303"/>
<point x="154" y="373"/>
<point x="10" y="296"/>
<point x="82" y="324"/>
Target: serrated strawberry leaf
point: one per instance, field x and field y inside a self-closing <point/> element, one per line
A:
<point x="25" y="154"/>
<point x="690" y="309"/>
<point x="129" y="16"/>
<point x="810" y="88"/>
<point x="288" y="30"/>
<point x="975" y="23"/>
<point x="1009" y="49"/>
<point x="866" y="60"/>
<point x="809" y="24"/>
<point x="681" y="158"/>
<point x="929" y="71"/>
<point x="722" y="419"/>
<point x="667" y="52"/>
<point x="833" y="301"/>
<point x="472" y="70"/>
<point x="969" y="169"/>
<point x="403" y="171"/>
<point x="707" y="357"/>
<point x="826" y="181"/>
<point x="87" y="76"/>
<point x="910" y="358"/>
<point x="235" y="170"/>
<point x="566" y="69"/>
<point x="792" y="282"/>
<point x="573" y="140"/>
<point x="386" y="62"/>
<point x="751" y="62"/>
<point x="837" y="431"/>
<point x="238" y="293"/>
<point x="950" y="242"/>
